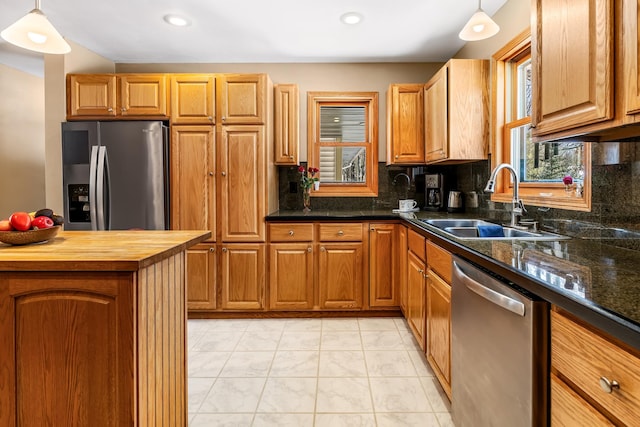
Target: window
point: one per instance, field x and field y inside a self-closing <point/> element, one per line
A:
<point x="541" y="166"/>
<point x="342" y="142"/>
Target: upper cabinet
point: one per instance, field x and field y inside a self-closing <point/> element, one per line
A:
<point x="242" y="99"/>
<point x="405" y="124"/>
<point x="579" y="48"/>
<point x="286" y="124"/>
<point x="116" y="95"/>
<point x="193" y="99"/>
<point x="456" y="107"/>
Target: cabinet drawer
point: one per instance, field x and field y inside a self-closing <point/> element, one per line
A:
<point x="584" y="357"/>
<point x="416" y="244"/>
<point x="567" y="408"/>
<point x="351" y="232"/>
<point x="439" y="260"/>
<point x="293" y="232"/>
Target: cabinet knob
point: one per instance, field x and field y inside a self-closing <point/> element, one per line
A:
<point x="224" y="173"/>
<point x="291" y="157"/>
<point x="224" y="118"/>
<point x="372" y="229"/>
<point x="210" y="118"/>
<point x="340" y="233"/>
<point x="224" y="249"/>
<point x="609" y="385"/>
<point x="421" y="271"/>
<point x="322" y="249"/>
<point x="291" y="233"/>
<point x="397" y="157"/>
<point x="110" y="110"/>
<point x="123" y="109"/>
<point x="212" y="249"/>
<point x="309" y="249"/>
<point x="210" y="173"/>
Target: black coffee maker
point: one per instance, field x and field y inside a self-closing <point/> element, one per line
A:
<point x="434" y="196"/>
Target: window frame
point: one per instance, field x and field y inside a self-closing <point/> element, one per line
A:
<point x="502" y="62"/>
<point x="368" y="188"/>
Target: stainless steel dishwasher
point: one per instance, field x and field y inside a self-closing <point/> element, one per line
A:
<point x="499" y="351"/>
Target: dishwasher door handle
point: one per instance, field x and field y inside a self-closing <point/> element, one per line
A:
<point x="491" y="295"/>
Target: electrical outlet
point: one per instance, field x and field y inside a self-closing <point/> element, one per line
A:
<point x="293" y="187"/>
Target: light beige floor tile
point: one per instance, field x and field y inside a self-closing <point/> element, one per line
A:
<point x="303" y="325"/>
<point x="232" y="395"/>
<point x="435" y="394"/>
<point x="300" y="340"/>
<point x="345" y="420"/>
<point x="197" y="326"/>
<point x="385" y="363"/>
<point x="377" y="324"/>
<point x="409" y="341"/>
<point x="266" y="325"/>
<point x="229" y="325"/>
<point x="444" y="418"/>
<point x="218" y="341"/>
<point x="420" y="363"/>
<point x="289" y="395"/>
<point x="344" y="395"/>
<point x="259" y="341"/>
<point x="295" y="364"/>
<point x="222" y="420"/>
<point x="340" y="340"/>
<point x="382" y="340"/>
<point x="342" y="364"/>
<point x="283" y="420"/>
<point x="248" y="364"/>
<point x="207" y="363"/>
<point x="399" y="395"/>
<point x="407" y="420"/>
<point x="401" y="324"/>
<point x="198" y="388"/>
<point x="339" y="324"/>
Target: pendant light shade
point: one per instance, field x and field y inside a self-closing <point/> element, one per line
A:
<point x="479" y="27"/>
<point x="34" y="32"/>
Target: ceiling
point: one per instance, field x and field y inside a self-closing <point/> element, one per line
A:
<point x="251" y="31"/>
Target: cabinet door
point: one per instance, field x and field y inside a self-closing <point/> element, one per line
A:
<point x="631" y="57"/>
<point x="383" y="291"/>
<point x="416" y="296"/>
<point x="242" y="99"/>
<point x="193" y="99"/>
<point x="201" y="277"/>
<point x="340" y="274"/>
<point x="143" y="95"/>
<point x="193" y="179"/>
<point x="291" y="276"/>
<point x="569" y="409"/>
<point x="243" y="184"/>
<point x="91" y="95"/>
<point x="436" y="118"/>
<point x="242" y="276"/>
<point x="438" y="337"/>
<point x="401" y="266"/>
<point x="286" y="124"/>
<point x="572" y="56"/>
<point x="405" y="124"/>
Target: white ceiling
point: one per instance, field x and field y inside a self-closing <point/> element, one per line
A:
<point x="255" y="31"/>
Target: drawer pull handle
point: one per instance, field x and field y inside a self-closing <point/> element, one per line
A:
<point x="340" y="233"/>
<point x="609" y="385"/>
<point x="291" y="233"/>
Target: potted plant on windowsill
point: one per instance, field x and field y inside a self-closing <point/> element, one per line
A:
<point x="308" y="179"/>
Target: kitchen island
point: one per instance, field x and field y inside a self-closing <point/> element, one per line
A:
<point x="93" y="329"/>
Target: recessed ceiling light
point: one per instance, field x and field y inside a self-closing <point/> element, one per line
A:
<point x="351" y="18"/>
<point x="178" y="21"/>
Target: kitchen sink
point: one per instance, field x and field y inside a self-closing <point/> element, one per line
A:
<point x="467" y="229"/>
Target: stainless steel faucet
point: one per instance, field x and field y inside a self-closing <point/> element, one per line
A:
<point x="518" y="207"/>
<point x="395" y="178"/>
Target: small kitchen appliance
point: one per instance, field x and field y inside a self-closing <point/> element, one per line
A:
<point x="434" y="192"/>
<point x="454" y="201"/>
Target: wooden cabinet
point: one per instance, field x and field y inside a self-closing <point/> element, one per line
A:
<point x="438" y="316"/>
<point x="242" y="99"/>
<point x="456" y="108"/>
<point x="416" y="286"/>
<point x="242" y="276"/>
<point x="243" y="183"/>
<point x="573" y="64"/>
<point x="631" y="57"/>
<point x="401" y="258"/>
<point x="291" y="272"/>
<point x="383" y="269"/>
<point x="604" y="374"/>
<point x="201" y="277"/>
<point x="569" y="409"/>
<point x="340" y="275"/>
<point x="193" y="178"/>
<point x="405" y="124"/>
<point x="193" y="99"/>
<point x="286" y="124"/>
<point x="116" y="95"/>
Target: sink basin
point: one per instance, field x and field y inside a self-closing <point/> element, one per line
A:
<point x="466" y="229"/>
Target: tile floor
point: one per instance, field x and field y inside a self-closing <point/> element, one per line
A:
<point x="311" y="372"/>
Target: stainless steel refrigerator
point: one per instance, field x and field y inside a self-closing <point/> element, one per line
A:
<point x="115" y="175"/>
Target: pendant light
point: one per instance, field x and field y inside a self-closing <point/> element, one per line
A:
<point x="34" y="32"/>
<point x="479" y="27"/>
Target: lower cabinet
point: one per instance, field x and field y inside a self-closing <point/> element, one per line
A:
<point x="201" y="277"/>
<point x="291" y="276"/>
<point x="416" y="286"/>
<point x="242" y="276"/>
<point x="340" y="275"/>
<point x="401" y="259"/>
<point x="569" y="409"/>
<point x="383" y="266"/>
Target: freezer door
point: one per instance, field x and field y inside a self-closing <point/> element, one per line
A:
<point x="137" y="173"/>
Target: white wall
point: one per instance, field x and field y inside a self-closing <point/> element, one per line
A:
<point x="21" y="142"/>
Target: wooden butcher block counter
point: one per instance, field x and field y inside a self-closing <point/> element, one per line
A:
<point x="93" y="329"/>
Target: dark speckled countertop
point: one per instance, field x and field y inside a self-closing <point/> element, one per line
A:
<point x="585" y="274"/>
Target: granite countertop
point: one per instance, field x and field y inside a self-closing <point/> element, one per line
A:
<point x="585" y="274"/>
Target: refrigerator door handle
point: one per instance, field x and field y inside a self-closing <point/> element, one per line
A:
<point x="93" y="166"/>
<point x="103" y="191"/>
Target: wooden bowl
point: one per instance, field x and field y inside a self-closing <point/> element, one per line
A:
<point x="28" y="237"/>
